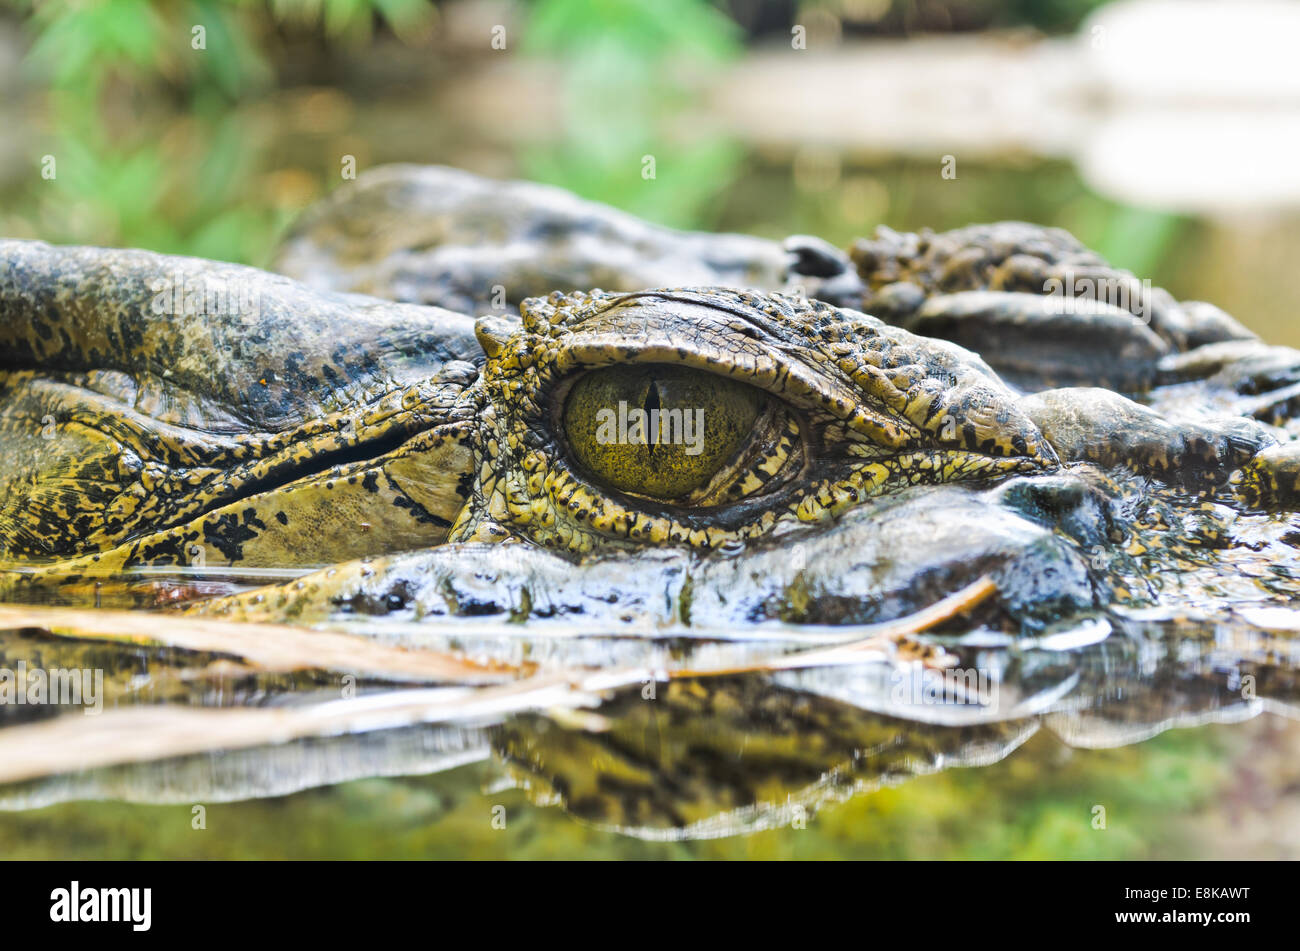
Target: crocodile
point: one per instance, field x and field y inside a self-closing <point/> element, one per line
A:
<point x="488" y="413"/>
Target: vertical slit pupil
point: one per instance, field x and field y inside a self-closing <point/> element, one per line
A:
<point x="651" y="403"/>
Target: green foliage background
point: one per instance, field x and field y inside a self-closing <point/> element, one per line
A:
<point x="163" y="146"/>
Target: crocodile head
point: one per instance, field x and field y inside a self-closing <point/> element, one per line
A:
<point x="860" y="468"/>
<point x="316" y="427"/>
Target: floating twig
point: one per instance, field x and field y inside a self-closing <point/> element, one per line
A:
<point x="276" y="648"/>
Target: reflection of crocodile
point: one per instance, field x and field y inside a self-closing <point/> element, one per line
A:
<point x="193" y="418"/>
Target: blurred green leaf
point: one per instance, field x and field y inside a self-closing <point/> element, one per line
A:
<point x="234" y="64"/>
<point x="1137" y="238"/>
<point x="647" y="28"/>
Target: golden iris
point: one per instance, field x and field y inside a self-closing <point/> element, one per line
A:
<point x="658" y="430"/>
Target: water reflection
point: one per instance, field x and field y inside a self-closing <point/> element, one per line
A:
<point x="692" y="757"/>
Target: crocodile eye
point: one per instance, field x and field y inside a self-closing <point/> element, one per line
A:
<point x="656" y="430"/>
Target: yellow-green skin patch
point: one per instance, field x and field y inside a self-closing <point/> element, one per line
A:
<point x="269" y="426"/>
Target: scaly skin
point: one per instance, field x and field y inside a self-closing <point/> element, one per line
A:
<point x="914" y="278"/>
<point x="434" y="235"/>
